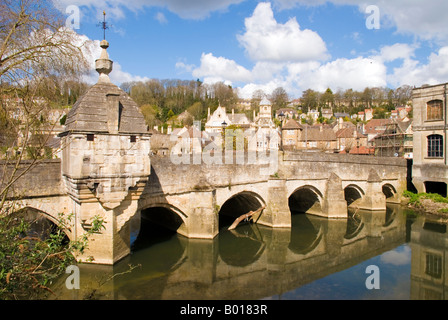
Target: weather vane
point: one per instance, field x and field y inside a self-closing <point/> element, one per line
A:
<point x="104" y="25"/>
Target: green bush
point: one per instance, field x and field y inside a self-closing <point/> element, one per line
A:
<point x="29" y="264"/>
<point x="415" y="198"/>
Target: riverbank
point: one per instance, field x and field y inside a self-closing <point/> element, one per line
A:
<point x="427" y="203"/>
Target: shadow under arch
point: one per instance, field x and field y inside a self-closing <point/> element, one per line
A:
<point x="389" y="191"/>
<point x="237" y="205"/>
<point x="242" y="246"/>
<point x="41" y="224"/>
<point x="157" y="222"/>
<point x="305" y="199"/>
<point x="353" y="193"/>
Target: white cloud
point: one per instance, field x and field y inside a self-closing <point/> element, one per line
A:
<point x="161" y="18"/>
<point x="357" y="74"/>
<point x="414" y="73"/>
<point x="397" y="257"/>
<point x="423" y="19"/>
<point x="92" y="51"/>
<point x="221" y="68"/>
<point x="191" y="9"/>
<point x="267" y="40"/>
<point x="397" y="51"/>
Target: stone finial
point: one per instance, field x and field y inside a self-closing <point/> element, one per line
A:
<point x="103" y="65"/>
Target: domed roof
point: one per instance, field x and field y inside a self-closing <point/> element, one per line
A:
<point x="105" y="108"/>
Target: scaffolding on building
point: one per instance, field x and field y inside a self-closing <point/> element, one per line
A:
<point x="395" y="141"/>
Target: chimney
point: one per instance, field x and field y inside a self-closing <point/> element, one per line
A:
<point x="113" y="112"/>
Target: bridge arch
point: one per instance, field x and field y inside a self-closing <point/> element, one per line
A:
<point x="237" y="205"/>
<point x="305" y="199"/>
<point x="390" y="192"/>
<point x="164" y="214"/>
<point x="41" y="222"/>
<point x="353" y="193"/>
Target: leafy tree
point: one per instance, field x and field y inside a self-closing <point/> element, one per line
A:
<point x="279" y="98"/>
<point x="327" y="98"/>
<point x="310" y="100"/>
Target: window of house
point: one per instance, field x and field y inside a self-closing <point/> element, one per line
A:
<point x="435" y="146"/>
<point x="133" y="139"/>
<point x="434" y="265"/>
<point x="90" y="137"/>
<point x="434" y="110"/>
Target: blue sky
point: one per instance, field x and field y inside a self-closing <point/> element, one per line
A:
<point x="294" y="44"/>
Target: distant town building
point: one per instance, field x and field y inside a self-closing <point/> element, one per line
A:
<point x="327" y="113"/>
<point x="220" y="119"/>
<point x="350" y="138"/>
<point x="305" y="137"/>
<point x="396" y="140"/>
<point x="288" y="112"/>
<point x="375" y="127"/>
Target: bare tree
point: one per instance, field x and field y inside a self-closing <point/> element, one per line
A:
<point x="37" y="53"/>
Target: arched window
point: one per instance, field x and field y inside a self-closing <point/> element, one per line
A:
<point x="434" y="110"/>
<point x="435" y="146"/>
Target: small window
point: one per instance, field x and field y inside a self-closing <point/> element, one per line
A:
<point x="90" y="137"/>
<point x="133" y="139"/>
<point x="434" y="110"/>
<point x="435" y="146"/>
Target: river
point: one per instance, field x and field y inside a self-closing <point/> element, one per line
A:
<point x="395" y="254"/>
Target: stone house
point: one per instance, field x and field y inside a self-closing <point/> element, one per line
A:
<point x="349" y="138"/>
<point x="188" y="140"/>
<point x="375" y="127"/>
<point x="430" y="162"/>
<point x="318" y="137"/>
<point x="288" y="112"/>
<point x="297" y="136"/>
<point x="291" y="133"/>
<point x="220" y="119"/>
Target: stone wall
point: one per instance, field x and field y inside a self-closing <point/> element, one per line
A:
<point x="318" y="165"/>
<point x="43" y="180"/>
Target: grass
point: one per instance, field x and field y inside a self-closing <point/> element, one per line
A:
<point x="415" y="199"/>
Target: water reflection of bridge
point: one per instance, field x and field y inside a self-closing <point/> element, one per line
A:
<point x="254" y="261"/>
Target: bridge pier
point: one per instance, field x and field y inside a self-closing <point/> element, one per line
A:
<point x="111" y="243"/>
<point x="374" y="198"/>
<point x="334" y="204"/>
<point x="277" y="213"/>
<point x="203" y="222"/>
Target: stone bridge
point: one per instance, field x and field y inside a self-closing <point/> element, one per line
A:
<point x="197" y="200"/>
